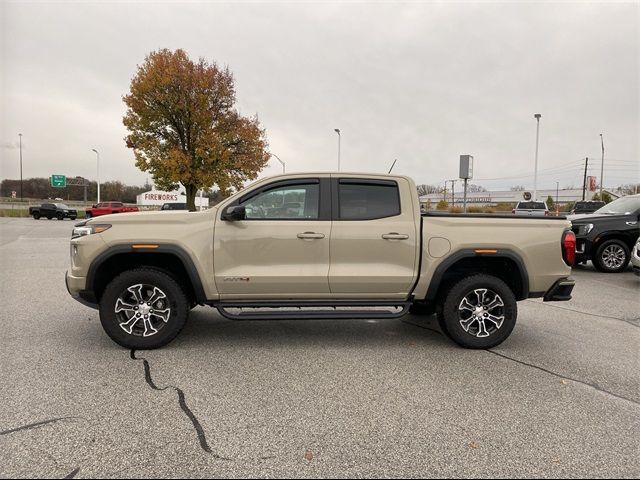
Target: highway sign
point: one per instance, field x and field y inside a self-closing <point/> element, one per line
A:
<point x="59" y="181"/>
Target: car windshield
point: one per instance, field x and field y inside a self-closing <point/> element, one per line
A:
<point x="621" y="206"/>
<point x="531" y="206"/>
<point x="61" y="206"/>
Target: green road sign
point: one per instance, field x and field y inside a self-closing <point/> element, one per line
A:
<point x="58" y="181"/>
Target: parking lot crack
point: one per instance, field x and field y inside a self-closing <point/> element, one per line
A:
<point x="73" y="473"/>
<point x="564" y="377"/>
<point x="35" y="425"/>
<point x="182" y="402"/>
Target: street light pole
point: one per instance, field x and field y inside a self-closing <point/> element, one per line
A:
<point x="337" y="130"/>
<point x="601" y="167"/>
<point x="20" y="135"/>
<point x="278" y="158"/>
<point x="535" y="174"/>
<point x="98" y="156"/>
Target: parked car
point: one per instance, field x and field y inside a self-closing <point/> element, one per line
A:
<point x="352" y="242"/>
<point x="531" y="208"/>
<point x="607" y="236"/>
<point x="174" y="206"/>
<point x="586" y="207"/>
<point x="635" y="258"/>
<point x="107" y="208"/>
<point x="53" y="210"/>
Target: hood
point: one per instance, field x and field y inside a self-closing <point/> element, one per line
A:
<point x="155" y="216"/>
<point x="591" y="217"/>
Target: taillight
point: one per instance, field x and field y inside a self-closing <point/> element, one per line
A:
<point x="569" y="247"/>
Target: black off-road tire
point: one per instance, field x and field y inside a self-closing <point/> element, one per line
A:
<point x="87" y="215"/>
<point x="450" y="319"/>
<point x="60" y="216"/>
<point x="175" y="297"/>
<point x="36" y="216"/>
<point x="602" y="264"/>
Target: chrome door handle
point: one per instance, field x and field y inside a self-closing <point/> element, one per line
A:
<point x="395" y="236"/>
<point x="310" y="235"/>
<point x="631" y="224"/>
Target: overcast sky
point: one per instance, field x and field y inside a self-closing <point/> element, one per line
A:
<point x="422" y="82"/>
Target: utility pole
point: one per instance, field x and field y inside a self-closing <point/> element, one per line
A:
<point x="444" y="193"/>
<point x="535" y="174"/>
<point x="601" y="167"/>
<point x="453" y="193"/>
<point x="557" y="188"/>
<point x="20" y="135"/>
<point x="337" y="130"/>
<point x="584" y="182"/>
<point x="98" y="158"/>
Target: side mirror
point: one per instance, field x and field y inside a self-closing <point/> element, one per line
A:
<point x="234" y="213"/>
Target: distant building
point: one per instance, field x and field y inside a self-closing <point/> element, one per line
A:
<point x="159" y="198"/>
<point x="487" y="199"/>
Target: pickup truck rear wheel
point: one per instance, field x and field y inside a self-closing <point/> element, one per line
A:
<point x="479" y="312"/>
<point x="612" y="257"/>
<point x="143" y="309"/>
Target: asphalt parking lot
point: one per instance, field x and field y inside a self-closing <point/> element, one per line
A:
<point x="560" y="398"/>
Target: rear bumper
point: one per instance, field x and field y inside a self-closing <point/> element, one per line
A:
<point x="561" y="290"/>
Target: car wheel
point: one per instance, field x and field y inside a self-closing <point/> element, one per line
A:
<point x="479" y="312"/>
<point x="72" y="218"/>
<point x="87" y="215"/>
<point x="36" y="216"/>
<point x="612" y="257"/>
<point x="60" y="216"/>
<point x="143" y="309"/>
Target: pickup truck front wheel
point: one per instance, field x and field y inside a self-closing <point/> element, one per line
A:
<point x="143" y="309"/>
<point x="479" y="312"/>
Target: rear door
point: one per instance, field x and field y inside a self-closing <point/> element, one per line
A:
<point x="374" y="238"/>
<point x="281" y="249"/>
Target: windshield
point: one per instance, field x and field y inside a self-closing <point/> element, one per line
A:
<point x="621" y="206"/>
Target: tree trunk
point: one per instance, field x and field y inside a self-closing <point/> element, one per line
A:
<point x="191" y="191"/>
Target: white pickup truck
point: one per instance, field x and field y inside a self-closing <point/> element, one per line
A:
<point x="318" y="245"/>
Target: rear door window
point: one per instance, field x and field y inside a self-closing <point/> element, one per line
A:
<point x="367" y="200"/>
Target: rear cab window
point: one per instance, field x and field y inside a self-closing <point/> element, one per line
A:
<point x="360" y="199"/>
<point x="531" y="206"/>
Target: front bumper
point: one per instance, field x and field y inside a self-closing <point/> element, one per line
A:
<point x="561" y="290"/>
<point x="75" y="287"/>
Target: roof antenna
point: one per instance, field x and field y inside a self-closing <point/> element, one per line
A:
<point x="392" y="165"/>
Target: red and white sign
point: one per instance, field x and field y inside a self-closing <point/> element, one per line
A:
<point x="13" y="194"/>
<point x="592" y="183"/>
<point x="158" y="197"/>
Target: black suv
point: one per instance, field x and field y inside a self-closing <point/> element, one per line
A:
<point x="586" y="207"/>
<point x="607" y="236"/>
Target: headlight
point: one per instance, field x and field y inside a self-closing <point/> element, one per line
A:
<point x="585" y="229"/>
<point x="81" y="231"/>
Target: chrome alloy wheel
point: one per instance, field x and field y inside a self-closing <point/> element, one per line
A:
<point x="613" y="257"/>
<point x="142" y="310"/>
<point x="481" y="312"/>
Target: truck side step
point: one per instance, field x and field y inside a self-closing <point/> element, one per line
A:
<point x="313" y="310"/>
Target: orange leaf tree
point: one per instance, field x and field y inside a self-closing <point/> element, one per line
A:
<point x="184" y="129"/>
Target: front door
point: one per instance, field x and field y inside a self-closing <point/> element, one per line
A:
<point x="281" y="249"/>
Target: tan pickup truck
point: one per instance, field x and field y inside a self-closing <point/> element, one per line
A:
<point x="318" y="245"/>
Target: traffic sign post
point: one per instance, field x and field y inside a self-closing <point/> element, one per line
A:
<point x="466" y="172"/>
<point x="58" y="181"/>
